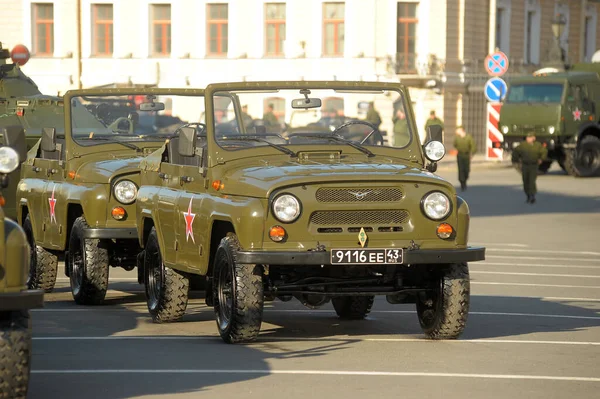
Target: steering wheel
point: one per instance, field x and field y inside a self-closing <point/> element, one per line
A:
<point x="115" y="125"/>
<point x="350" y="123"/>
<point x="201" y="127"/>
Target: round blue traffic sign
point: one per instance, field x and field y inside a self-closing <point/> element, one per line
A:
<point x="495" y="89"/>
<point x="496" y="64"/>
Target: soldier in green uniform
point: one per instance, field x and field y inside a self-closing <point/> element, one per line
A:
<point x="529" y="154"/>
<point x="433" y="120"/>
<point x="401" y="132"/>
<point x="465" y="145"/>
<point x="246" y="118"/>
<point x="269" y="117"/>
<point x="373" y="116"/>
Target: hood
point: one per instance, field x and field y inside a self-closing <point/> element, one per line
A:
<point x="529" y="115"/>
<point x="104" y="171"/>
<point x="260" y="178"/>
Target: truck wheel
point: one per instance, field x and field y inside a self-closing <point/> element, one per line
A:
<point x="443" y="312"/>
<point x="238" y="294"/>
<point x="166" y="289"/>
<point x="88" y="265"/>
<point x="353" y="307"/>
<point x="569" y="164"/>
<point x="588" y="157"/>
<point x="15" y="354"/>
<point x="43" y="264"/>
<point x="544" y="166"/>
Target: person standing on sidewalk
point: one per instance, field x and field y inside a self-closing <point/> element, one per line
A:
<point x="529" y="154"/>
<point x="465" y="145"/>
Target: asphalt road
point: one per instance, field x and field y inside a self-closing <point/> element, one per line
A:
<point x="533" y="330"/>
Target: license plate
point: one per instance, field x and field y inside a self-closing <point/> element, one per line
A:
<point x="366" y="256"/>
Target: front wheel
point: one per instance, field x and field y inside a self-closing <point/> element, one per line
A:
<point x="588" y="157"/>
<point x="88" y="266"/>
<point x="43" y="264"/>
<point x="238" y="294"/>
<point x="15" y="354"/>
<point x="443" y="312"/>
<point x="166" y="289"/>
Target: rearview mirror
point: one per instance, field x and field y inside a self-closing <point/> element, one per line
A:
<point x="152" y="106"/>
<point x="306" y="103"/>
<point x="187" y="142"/>
<point x="48" y="139"/>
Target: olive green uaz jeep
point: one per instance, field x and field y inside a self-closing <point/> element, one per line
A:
<point x="15" y="299"/>
<point x="316" y="214"/>
<point x="78" y="190"/>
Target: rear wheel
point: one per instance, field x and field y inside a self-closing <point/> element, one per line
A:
<point x="569" y="163"/>
<point x="88" y="265"/>
<point x="443" y="312"/>
<point x="544" y="166"/>
<point x="353" y="307"/>
<point x="166" y="289"/>
<point x="15" y="354"/>
<point x="238" y="294"/>
<point x="43" y="264"/>
<point x="588" y="157"/>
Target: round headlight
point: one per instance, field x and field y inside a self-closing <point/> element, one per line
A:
<point x="286" y="208"/>
<point x="434" y="151"/>
<point x="504" y="129"/>
<point x="9" y="160"/>
<point x="551" y="129"/>
<point x="436" y="205"/>
<point x="125" y="191"/>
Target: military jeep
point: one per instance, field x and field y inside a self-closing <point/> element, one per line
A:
<point x="15" y="299"/>
<point x="317" y="215"/>
<point x="76" y="198"/>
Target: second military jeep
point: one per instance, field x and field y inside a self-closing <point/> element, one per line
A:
<point x="319" y="215"/>
<point x="76" y="198"/>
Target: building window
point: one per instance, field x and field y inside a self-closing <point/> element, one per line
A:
<point x="499" y="19"/>
<point x="102" y="20"/>
<point x="278" y="104"/>
<point x="589" y="41"/>
<point x="333" y="28"/>
<point x="406" y="38"/>
<point x="43" y="28"/>
<point x="161" y="29"/>
<point x="528" y="32"/>
<point x="217" y="25"/>
<point x="275" y="28"/>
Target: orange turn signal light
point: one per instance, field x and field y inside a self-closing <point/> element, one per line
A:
<point x="72" y="174"/>
<point x="277" y="233"/>
<point x="591" y="117"/>
<point x="118" y="213"/>
<point x="217" y="185"/>
<point x="2" y="201"/>
<point x="444" y="231"/>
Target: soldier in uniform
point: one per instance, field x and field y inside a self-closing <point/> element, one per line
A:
<point x="401" y="132"/>
<point x="246" y="118"/>
<point x="373" y="116"/>
<point x="465" y="145"/>
<point x="269" y="117"/>
<point x="433" y="120"/>
<point x="529" y="154"/>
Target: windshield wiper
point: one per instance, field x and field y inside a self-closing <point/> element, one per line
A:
<point x="351" y="143"/>
<point x="126" y="144"/>
<point x="254" y="138"/>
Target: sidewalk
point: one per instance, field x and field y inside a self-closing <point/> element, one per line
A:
<point x="479" y="161"/>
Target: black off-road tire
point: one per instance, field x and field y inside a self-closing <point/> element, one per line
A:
<point x="166" y="289"/>
<point x="241" y="323"/>
<point x="569" y="163"/>
<point x="443" y="313"/>
<point x="353" y="307"/>
<point x="544" y="167"/>
<point x="88" y="266"/>
<point x="15" y="354"/>
<point x="589" y="147"/>
<point x="43" y="264"/>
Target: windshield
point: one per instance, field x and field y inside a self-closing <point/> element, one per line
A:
<point x="284" y="117"/>
<point x="535" y="93"/>
<point x="133" y="117"/>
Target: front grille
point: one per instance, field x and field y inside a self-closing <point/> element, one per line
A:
<point x="361" y="218"/>
<point x="358" y="195"/>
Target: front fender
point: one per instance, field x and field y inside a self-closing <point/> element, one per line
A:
<point x="247" y="215"/>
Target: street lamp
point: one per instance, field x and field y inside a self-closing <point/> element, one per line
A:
<point x="556" y="55"/>
<point x="558" y="25"/>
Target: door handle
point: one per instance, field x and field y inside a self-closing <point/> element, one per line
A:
<point x="186" y="179"/>
<point x="163" y="176"/>
<point x="36" y="169"/>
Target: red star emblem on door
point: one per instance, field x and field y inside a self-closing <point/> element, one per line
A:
<point x="577" y="114"/>
<point x="189" y="220"/>
<point x="52" y="203"/>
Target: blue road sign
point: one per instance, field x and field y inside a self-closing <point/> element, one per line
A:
<point x="495" y="89"/>
<point x="496" y="63"/>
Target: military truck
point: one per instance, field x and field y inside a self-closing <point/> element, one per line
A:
<point x="24" y="108"/>
<point x="76" y="198"/>
<point x="561" y="108"/>
<point x="314" y="216"/>
<point x="15" y="299"/>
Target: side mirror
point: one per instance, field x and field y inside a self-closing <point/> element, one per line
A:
<point x="187" y="142"/>
<point x="14" y="137"/>
<point x="48" y="139"/>
<point x="434" y="133"/>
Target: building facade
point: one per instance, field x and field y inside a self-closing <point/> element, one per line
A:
<point x="436" y="47"/>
